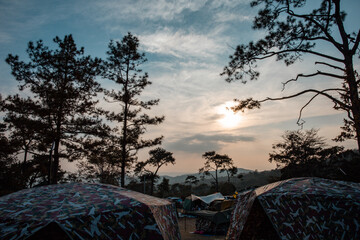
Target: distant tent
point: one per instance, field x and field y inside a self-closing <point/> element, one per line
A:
<point x="213" y="222"/>
<point x="190" y="202"/>
<point x="220" y="205"/>
<point x="299" y="208"/>
<point x="209" y="198"/>
<point x="86" y="211"/>
<point x="187" y="204"/>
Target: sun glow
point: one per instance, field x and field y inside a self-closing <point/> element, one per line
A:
<point x="229" y="118"/>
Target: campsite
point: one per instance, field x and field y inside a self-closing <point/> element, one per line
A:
<point x="180" y="119"/>
<point x="298" y="208"/>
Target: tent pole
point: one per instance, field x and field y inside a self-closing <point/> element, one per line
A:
<point x="185" y="223"/>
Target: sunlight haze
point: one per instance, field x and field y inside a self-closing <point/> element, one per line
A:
<point x="187" y="44"/>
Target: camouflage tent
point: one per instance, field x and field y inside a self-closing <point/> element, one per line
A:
<point x="86" y="211"/>
<point x="299" y="208"/>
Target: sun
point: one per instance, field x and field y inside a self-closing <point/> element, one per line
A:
<point x="229" y="118"/>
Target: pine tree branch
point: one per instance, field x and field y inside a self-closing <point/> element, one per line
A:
<point x="311" y="18"/>
<point x="356" y="45"/>
<point x="330" y="65"/>
<point x="323" y="93"/>
<point x="311" y="75"/>
<point x="274" y="53"/>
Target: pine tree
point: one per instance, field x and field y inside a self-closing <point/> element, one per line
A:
<point x="291" y="30"/>
<point x="62" y="84"/>
<point x="121" y="67"/>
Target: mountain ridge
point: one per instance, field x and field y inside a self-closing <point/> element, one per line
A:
<point x="182" y="178"/>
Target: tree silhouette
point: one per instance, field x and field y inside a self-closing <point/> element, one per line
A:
<point x="122" y="68"/>
<point x="62" y="86"/>
<point x="291" y="32"/>
<point x="164" y="188"/>
<point x="158" y="157"/>
<point x="24" y="126"/>
<point x="215" y="162"/>
<point x="230" y="170"/>
<point x="191" y="179"/>
<point x="301" y="152"/>
<point x="101" y="162"/>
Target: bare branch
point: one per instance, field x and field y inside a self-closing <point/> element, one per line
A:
<point x="273" y="53"/>
<point x="340" y="25"/>
<point x="300" y="121"/>
<point x="356" y="45"/>
<point x="230" y="46"/>
<point x="328" y="15"/>
<point x="330" y="65"/>
<point x="311" y="75"/>
<point x="324" y="30"/>
<point x="323" y="93"/>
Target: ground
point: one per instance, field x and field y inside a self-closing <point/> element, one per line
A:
<point x="187" y="227"/>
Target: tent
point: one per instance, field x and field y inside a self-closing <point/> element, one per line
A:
<point x="86" y="211"/>
<point x="299" y="208"/>
<point x="220" y="205"/>
<point x="209" y="198"/>
<point x="193" y="200"/>
<point x="214" y="222"/>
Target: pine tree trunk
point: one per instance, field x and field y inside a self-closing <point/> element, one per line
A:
<point x="152" y="185"/>
<point x="353" y="94"/>
<point x="55" y="164"/>
<point x="123" y="150"/>
<point x="349" y="72"/>
<point x="354" y="98"/>
<point x="216" y="181"/>
<point x="124" y="143"/>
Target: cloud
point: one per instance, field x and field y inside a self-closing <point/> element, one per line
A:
<point x="182" y="44"/>
<point x="232" y="17"/>
<point x="5" y="37"/>
<point x="229" y="3"/>
<point x="146" y="10"/>
<point x="200" y="143"/>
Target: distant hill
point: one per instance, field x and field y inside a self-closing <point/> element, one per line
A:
<point x="256" y="179"/>
<point x="181" y="178"/>
<point x="250" y="178"/>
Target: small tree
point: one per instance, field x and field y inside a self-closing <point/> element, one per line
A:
<point x="230" y="171"/>
<point x="164" y="188"/>
<point x="122" y="67"/>
<point x="9" y="169"/>
<point x="101" y="161"/>
<point x="158" y="157"/>
<point x="62" y="84"/>
<point x="24" y="126"/>
<point x="191" y="179"/>
<point x="180" y="190"/>
<point x="300" y="153"/>
<point x="293" y="31"/>
<point x="215" y="162"/>
<point x="227" y="188"/>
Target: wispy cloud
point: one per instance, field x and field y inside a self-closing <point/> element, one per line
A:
<point x="5" y="37"/>
<point x="232" y="17"/>
<point x="21" y="18"/>
<point x="146" y="10"/>
<point x="229" y="3"/>
<point x="182" y="44"/>
<point x="200" y="143"/>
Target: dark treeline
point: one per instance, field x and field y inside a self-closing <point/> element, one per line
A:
<point x="303" y="153"/>
<point x="56" y="114"/>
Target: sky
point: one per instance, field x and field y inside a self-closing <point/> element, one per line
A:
<point x="187" y="44"/>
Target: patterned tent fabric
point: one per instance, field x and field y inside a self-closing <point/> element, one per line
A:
<point x="299" y="208"/>
<point x="87" y="211"/>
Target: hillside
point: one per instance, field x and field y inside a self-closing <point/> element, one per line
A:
<point x="181" y="178"/>
<point x="250" y="178"/>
